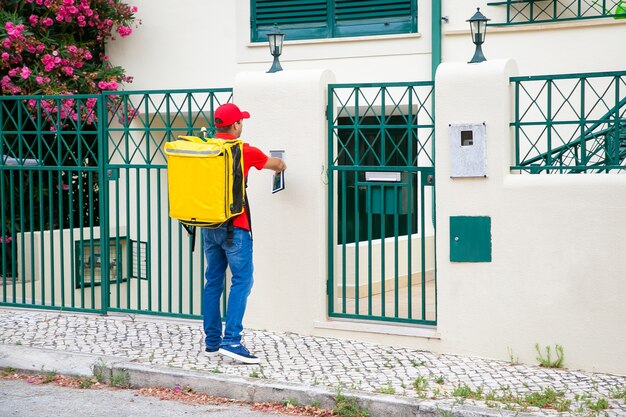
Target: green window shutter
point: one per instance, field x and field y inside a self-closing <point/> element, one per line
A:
<point x="316" y="19"/>
<point x="298" y="19"/>
<point x="374" y="17"/>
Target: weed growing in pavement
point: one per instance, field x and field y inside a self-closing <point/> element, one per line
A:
<point x="86" y="383"/>
<point x="541" y="399"/>
<point x="598" y="405"/>
<point x="99" y="369"/>
<point x="348" y="406"/>
<point x="420" y="384"/>
<point x="416" y="363"/>
<point x="464" y="391"/>
<point x="215" y="370"/>
<point x="19" y="342"/>
<point x="439" y="380"/>
<point x="387" y="390"/>
<point x="547" y="361"/>
<point x="49" y="376"/>
<point x="290" y="402"/>
<point x="316" y="404"/>
<point x="513" y="360"/>
<point x="8" y="371"/>
<point x="120" y="378"/>
<point x="619" y="393"/>
<point x="254" y="374"/>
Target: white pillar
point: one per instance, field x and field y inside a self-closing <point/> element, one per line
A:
<point x="287" y="111"/>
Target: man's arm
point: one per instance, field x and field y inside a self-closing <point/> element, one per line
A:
<point x="275" y="164"/>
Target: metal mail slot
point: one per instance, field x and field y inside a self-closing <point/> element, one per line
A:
<point x="383" y="176"/>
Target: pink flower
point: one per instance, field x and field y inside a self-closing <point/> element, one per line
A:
<point x="69" y="71"/>
<point x="39" y="79"/>
<point x="124" y="31"/>
<point x="6" y="239"/>
<point x="33" y="20"/>
<point x="103" y="85"/>
<point x="25" y="72"/>
<point x="88" y="55"/>
<point x="5" y="56"/>
<point x="72" y="49"/>
<point x="47" y="22"/>
<point x="133" y="9"/>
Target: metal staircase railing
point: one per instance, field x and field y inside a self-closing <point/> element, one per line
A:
<point x="608" y="147"/>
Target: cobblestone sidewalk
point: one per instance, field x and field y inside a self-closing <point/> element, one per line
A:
<point x="327" y="362"/>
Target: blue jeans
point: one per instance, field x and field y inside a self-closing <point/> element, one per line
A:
<point x="238" y="256"/>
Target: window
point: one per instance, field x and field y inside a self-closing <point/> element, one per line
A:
<point x="316" y="19"/>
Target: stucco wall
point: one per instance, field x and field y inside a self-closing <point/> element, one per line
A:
<point x="556" y="276"/>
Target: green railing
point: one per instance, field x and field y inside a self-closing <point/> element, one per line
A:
<point x="381" y="202"/>
<point x="519" y="12"/>
<point x="573" y="123"/>
<point x="84" y="202"/>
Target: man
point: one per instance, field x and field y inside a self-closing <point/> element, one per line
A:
<point x="235" y="253"/>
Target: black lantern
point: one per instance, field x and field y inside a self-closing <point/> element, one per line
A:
<point x="478" y="25"/>
<point x="275" y="39"/>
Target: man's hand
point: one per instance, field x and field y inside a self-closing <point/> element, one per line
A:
<point x="276" y="164"/>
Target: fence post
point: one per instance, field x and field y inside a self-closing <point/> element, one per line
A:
<point x="103" y="185"/>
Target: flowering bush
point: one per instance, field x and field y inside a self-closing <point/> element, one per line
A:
<point x="57" y="46"/>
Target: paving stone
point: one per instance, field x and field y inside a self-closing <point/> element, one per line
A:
<point x="315" y="361"/>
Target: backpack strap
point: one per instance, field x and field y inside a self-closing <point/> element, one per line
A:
<point x="229" y="225"/>
<point x="192" y="231"/>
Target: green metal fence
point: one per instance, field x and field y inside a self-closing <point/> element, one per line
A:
<point x="84" y="202"/>
<point x="381" y="202"/>
<point x="573" y="123"/>
<point x="519" y="12"/>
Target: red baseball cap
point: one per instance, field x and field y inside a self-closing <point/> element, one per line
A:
<point x="227" y="114"/>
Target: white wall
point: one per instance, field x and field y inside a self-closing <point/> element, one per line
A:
<point x="556" y="276"/>
<point x="190" y="44"/>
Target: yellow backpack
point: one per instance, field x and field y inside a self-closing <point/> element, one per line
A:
<point x="205" y="180"/>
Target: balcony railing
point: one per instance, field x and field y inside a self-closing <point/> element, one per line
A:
<point x="520" y="12"/>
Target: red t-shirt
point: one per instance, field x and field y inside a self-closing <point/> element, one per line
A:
<point x="252" y="157"/>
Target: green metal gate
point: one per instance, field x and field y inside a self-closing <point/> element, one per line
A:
<point x="381" y="246"/>
<point x="84" y="202"/>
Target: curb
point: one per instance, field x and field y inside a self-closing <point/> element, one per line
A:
<point x="250" y="390"/>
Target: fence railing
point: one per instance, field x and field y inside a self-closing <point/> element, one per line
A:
<point x="519" y="12"/>
<point x="573" y="123"/>
<point x="84" y="208"/>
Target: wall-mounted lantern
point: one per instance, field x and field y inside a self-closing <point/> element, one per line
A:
<point x="478" y="26"/>
<point x="275" y="39"/>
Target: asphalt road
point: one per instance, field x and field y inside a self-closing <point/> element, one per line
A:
<point x="21" y="399"/>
